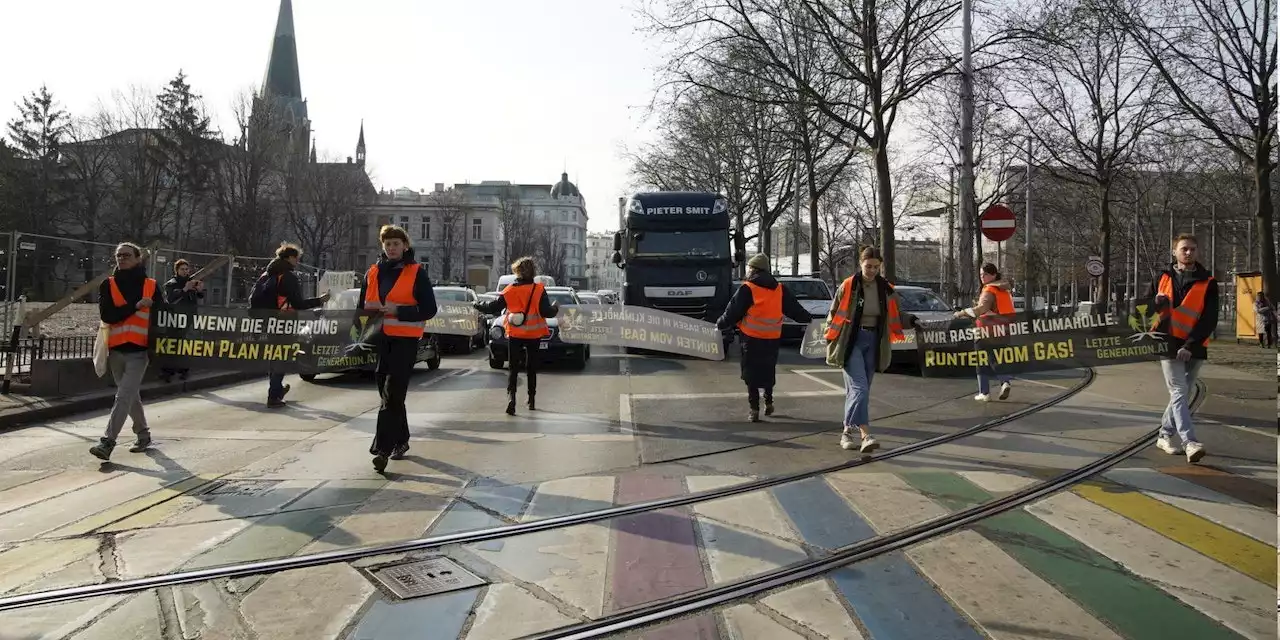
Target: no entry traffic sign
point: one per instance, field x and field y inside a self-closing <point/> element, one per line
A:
<point x="998" y="223"/>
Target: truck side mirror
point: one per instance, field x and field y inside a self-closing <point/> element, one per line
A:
<point x="617" y="242"/>
<point x="617" y="258"/>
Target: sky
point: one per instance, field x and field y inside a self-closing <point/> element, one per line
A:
<point x="449" y="92"/>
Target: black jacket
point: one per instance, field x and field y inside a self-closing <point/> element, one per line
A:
<point x="288" y="286"/>
<point x="742" y="301"/>
<point x="174" y="295"/>
<point x="423" y="292"/>
<point x="1208" y="322"/>
<point x="495" y="307"/>
<point x="129" y="282"/>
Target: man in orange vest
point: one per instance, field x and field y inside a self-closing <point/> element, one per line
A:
<point x="125" y="301"/>
<point x="278" y="288"/>
<point x="398" y="288"/>
<point x="756" y="309"/>
<point x="1186" y="299"/>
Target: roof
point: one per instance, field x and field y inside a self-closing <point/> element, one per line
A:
<point x="283" y="79"/>
<point x="564" y="188"/>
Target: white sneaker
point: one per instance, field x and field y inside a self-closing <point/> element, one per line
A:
<point x="846" y="441"/>
<point x="1166" y="445"/>
<point x="869" y="444"/>
<point x="1195" y="451"/>
<point x="982" y="397"/>
<point x="1005" y="388"/>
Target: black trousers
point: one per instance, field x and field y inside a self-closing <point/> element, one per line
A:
<point x="396" y="358"/>
<point x="753" y="395"/>
<point x="523" y="352"/>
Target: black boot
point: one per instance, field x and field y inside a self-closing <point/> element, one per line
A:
<point x="531" y="407"/>
<point x="511" y="404"/>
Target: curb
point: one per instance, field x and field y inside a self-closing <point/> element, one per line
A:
<point x="62" y="407"/>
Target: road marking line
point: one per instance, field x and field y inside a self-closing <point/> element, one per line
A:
<point x="1206" y="503"/>
<point x="739" y="394"/>
<point x="134" y="507"/>
<point x="627" y="423"/>
<point x="808" y="375"/>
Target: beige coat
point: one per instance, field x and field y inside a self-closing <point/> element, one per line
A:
<point x="838" y="349"/>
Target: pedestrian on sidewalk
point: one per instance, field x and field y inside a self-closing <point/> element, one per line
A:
<point x="864" y="320"/>
<point x="185" y="294"/>
<point x="756" y="309"/>
<point x="1264" y="314"/>
<point x="125" y="300"/>
<point x="528" y="307"/>
<point x="1186" y="299"/>
<point x="397" y="287"/>
<point x="279" y="289"/>
<point x="993" y="308"/>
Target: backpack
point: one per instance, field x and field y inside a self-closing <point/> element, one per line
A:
<point x="264" y="292"/>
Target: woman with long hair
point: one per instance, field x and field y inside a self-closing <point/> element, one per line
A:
<point x="528" y="307"/>
<point x="865" y="318"/>
<point x="994" y="307"/>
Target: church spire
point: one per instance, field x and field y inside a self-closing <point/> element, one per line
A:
<point x="360" y="150"/>
<point x="313" y="151"/>
<point x="283" y="79"/>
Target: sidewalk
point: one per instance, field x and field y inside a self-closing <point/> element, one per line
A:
<point x="17" y="409"/>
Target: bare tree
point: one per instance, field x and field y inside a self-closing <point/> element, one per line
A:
<point x="550" y="252"/>
<point x="1218" y="58"/>
<point x="450" y="208"/>
<point x="143" y="189"/>
<point x="87" y="160"/>
<point x="185" y="148"/>
<point x="1087" y="100"/>
<point x="246" y="182"/>
<point x="321" y="204"/>
<point x="515" y="221"/>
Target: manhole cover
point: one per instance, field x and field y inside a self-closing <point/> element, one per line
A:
<point x="248" y="488"/>
<point x="425" y="578"/>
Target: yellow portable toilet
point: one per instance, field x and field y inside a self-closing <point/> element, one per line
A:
<point x="1247" y="285"/>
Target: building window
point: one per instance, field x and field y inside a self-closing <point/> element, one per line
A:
<point x="426" y="227"/>
<point x="404" y="222"/>
<point x="477" y="224"/>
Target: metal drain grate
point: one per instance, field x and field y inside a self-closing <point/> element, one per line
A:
<point x="246" y="488"/>
<point x="425" y="578"/>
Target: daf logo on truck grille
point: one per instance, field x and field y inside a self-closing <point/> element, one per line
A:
<point x="679" y="293"/>
<point x="701" y="276"/>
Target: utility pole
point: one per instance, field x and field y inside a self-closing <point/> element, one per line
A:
<point x="968" y="201"/>
<point x="1213" y="239"/>
<point x="795" y="226"/>
<point x="951" y="237"/>
<point x="1029" y="296"/>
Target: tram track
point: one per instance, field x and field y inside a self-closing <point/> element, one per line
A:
<point x="259" y="567"/>
<point x="759" y="585"/>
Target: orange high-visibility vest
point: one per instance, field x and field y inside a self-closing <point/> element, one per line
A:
<point x="282" y="302"/>
<point x="1002" y="312"/>
<point x="535" y="326"/>
<point x="401" y="295"/>
<point x="1183" y="318"/>
<point x="764" y="318"/>
<point x="132" y="330"/>
<point x="844" y="314"/>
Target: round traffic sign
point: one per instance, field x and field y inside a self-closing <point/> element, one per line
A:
<point x="1094" y="266"/>
<point x="998" y="223"/>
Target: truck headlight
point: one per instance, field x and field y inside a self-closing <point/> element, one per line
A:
<point x="635" y="207"/>
<point x="720" y="206"/>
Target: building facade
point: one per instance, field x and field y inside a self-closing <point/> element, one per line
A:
<point x="601" y="273"/>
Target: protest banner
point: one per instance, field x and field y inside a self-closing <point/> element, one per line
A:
<point x="1023" y="344"/>
<point x="814" y="344"/>
<point x="454" y="319"/>
<point x="640" y="328"/>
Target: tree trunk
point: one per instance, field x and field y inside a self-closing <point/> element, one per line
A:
<point x="1262" y="185"/>
<point x="814" y="235"/>
<point x="884" y="197"/>
<point x="1104" y="239"/>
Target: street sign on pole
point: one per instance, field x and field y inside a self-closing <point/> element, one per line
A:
<point x="998" y="223"/>
<point x="1094" y="266"/>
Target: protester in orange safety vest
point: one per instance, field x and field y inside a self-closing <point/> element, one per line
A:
<point x="1186" y="299"/>
<point x="528" y="307"/>
<point x="125" y="301"/>
<point x="756" y="309"/>
<point x="278" y="288"/>
<point x="865" y="318"/>
<point x="398" y="287"/>
<point x="994" y="307"/>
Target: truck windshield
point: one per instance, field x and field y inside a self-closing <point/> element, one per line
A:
<point x="680" y="244"/>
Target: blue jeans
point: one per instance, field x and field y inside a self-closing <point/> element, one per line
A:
<point x="859" y="368"/>
<point x="1180" y="378"/>
<point x="275" y="386"/>
<point x="986" y="372"/>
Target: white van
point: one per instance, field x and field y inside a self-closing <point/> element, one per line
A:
<point x="510" y="278"/>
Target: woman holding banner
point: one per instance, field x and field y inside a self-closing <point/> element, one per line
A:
<point x="528" y="308"/>
<point x="181" y="291"/>
<point x="994" y="307"/>
<point x="398" y="288"/>
<point x="865" y="318"/>
<point x="756" y="309"/>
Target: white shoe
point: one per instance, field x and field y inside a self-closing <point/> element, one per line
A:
<point x="1166" y="445"/>
<point x="869" y="444"/>
<point x="1005" y="388"/>
<point x="1195" y="451"/>
<point x="846" y="441"/>
<point x="982" y="397"/>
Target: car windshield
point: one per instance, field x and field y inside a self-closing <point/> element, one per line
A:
<point x="343" y="301"/>
<point x="680" y="244"/>
<point x="562" y="297"/>
<point x="452" y="295"/>
<point x="921" y="300"/>
<point x="588" y="298"/>
<point x="808" y="289"/>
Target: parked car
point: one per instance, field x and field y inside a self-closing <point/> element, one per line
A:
<point x="488" y="317"/>
<point x="428" y="346"/>
<point x="925" y="305"/>
<point x="590" y="298"/>
<point x="813" y="294"/>
<point x="463" y="344"/>
<point x="551" y="347"/>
